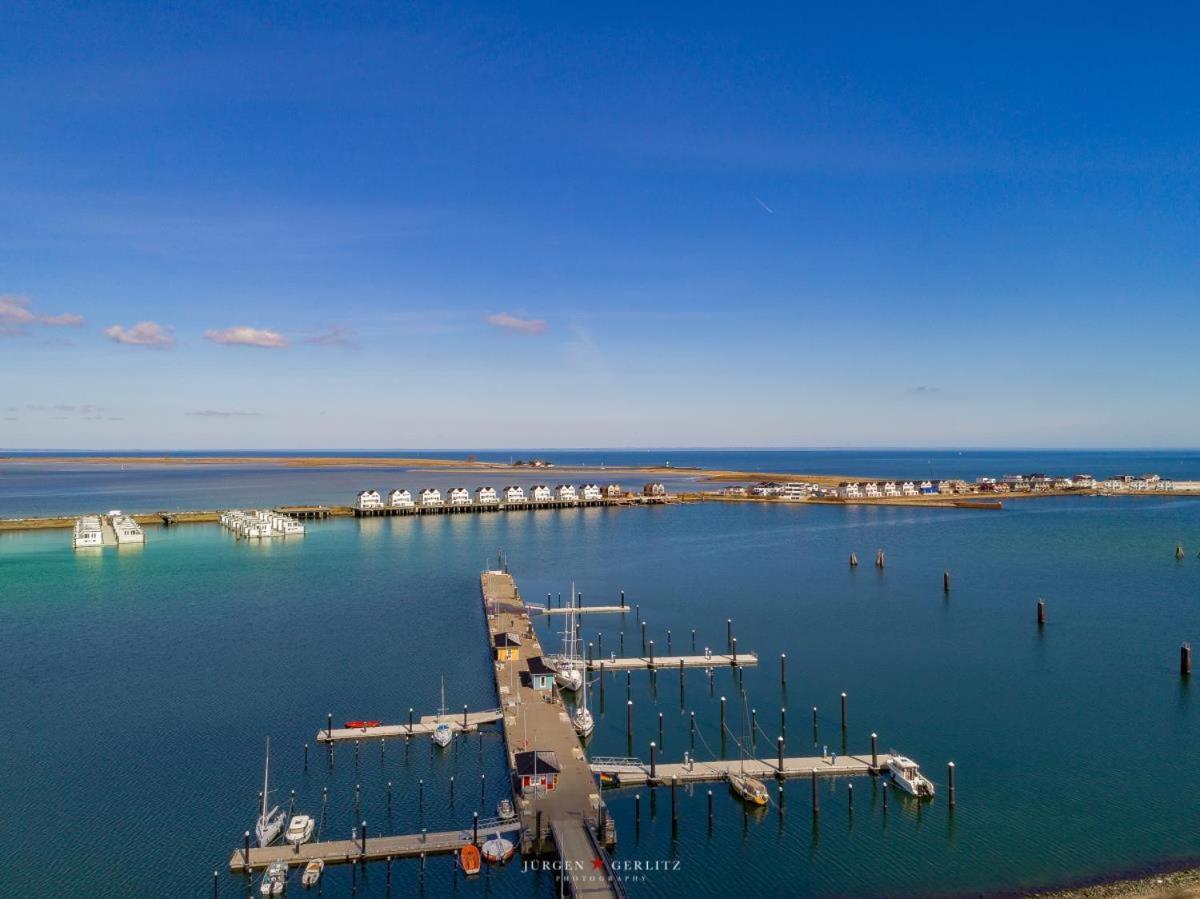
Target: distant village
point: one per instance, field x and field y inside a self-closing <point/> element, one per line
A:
<point x="898" y="489"/>
<point x="431" y="497"/>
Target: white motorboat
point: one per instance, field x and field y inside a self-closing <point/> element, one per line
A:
<point x="312" y="873"/>
<point x="907" y="776"/>
<point x="274" y="882"/>
<point x="498" y="850"/>
<point x="300" y="830"/>
<point x="504" y="810"/>
<point x="270" y="824"/>
<point x="442" y="732"/>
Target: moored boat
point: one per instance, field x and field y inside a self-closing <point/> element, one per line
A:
<point x="505" y="811"/>
<point x="442" y="732"/>
<point x="747" y="788"/>
<point x="498" y="850"/>
<point x="581" y="718"/>
<point x="312" y="872"/>
<point x="274" y="882"/>
<point x="468" y="857"/>
<point x="906" y="774"/>
<point x="300" y="830"/>
<point x="362" y="725"/>
<point x="270" y="824"/>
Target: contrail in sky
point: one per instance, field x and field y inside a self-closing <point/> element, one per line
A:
<point x="764" y="205"/>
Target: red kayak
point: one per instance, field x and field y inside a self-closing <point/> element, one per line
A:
<point x="362" y="725"/>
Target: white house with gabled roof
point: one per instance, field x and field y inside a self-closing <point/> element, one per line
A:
<point x="400" y="499"/>
<point x="369" y="499"/>
<point x="589" y="492"/>
<point x="486" y="496"/>
<point x="514" y="494"/>
<point x="431" y="497"/>
<point x="460" y="496"/>
<point x="541" y="494"/>
<point x="566" y="493"/>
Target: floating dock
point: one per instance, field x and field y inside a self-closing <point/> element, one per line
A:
<point x="742" y="659"/>
<point x="635" y="772"/>
<point x="341" y="852"/>
<point x="581" y="610"/>
<point x="459" y="724"/>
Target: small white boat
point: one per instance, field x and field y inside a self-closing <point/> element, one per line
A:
<point x="568" y="677"/>
<point x="270" y="824"/>
<point x="274" y="882"/>
<point x="505" y="811"/>
<point x="498" y="850"/>
<point x="300" y="830"/>
<point x="908" y="777"/>
<point x="568" y="672"/>
<point x="312" y="873"/>
<point x="442" y="732"/>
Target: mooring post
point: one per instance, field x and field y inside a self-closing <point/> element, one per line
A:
<point x="364" y="838"/>
<point x="783" y="723"/>
<point x="950" y="781"/>
<point x="783" y="668"/>
<point x="1041" y="613"/>
<point x="421" y="792"/>
<point x="622" y="599"/>
<point x="729" y="635"/>
<point x="643" y="639"/>
<point x="779" y="743"/>
<point x="602" y="686"/>
<point x="653" y="766"/>
<point x="660" y="729"/>
<point x="668" y="641"/>
<point x="329" y="726"/>
<point x="674" y="803"/>
<point x="814" y="719"/>
<point x="874" y="753"/>
<point x="451" y="788"/>
<point x="389" y="875"/>
<point x="246" y="849"/>
<point x="482" y="788"/>
<point x="357" y="795"/>
<point x="390" y="793"/>
<point x="879" y="560"/>
<point x="710" y="809"/>
<point x="475" y="829"/>
<point x="885" y="796"/>
<point x="945" y="581"/>
<point x="637" y="808"/>
<point x="733" y="650"/>
<point x="410" y="722"/>
<point x="305" y="756"/>
<point x="651" y="653"/>
<point x="599" y="644"/>
<point x="722" y="717"/>
<point x="693" y="724"/>
<point x="464" y="716"/>
<point x="753" y="725"/>
<point x="216" y="887"/>
<point x="1185" y="659"/>
<point x="816" y="799"/>
<point x="843" y="711"/>
<point x="629" y="718"/>
<point x="693" y="641"/>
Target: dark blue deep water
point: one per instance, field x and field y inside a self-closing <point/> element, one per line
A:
<point x="138" y="687"/>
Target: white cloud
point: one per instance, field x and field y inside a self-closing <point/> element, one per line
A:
<point x="149" y="334"/>
<point x="243" y="336"/>
<point x="16" y="315"/>
<point x="514" y="323"/>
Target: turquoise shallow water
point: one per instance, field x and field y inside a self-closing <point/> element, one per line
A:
<point x="139" y="687"/>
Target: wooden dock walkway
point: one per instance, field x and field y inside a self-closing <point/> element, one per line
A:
<point x="459" y="724"/>
<point x="340" y="852"/>
<point x="711" y="661"/>
<point x="571" y="819"/>
<point x="582" y="610"/>
<point x="635" y="772"/>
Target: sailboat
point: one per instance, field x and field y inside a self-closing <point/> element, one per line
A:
<point x="582" y="719"/>
<point x="270" y="824"/>
<point x="568" y="674"/>
<point x="442" y="733"/>
<point x="747" y="788"/>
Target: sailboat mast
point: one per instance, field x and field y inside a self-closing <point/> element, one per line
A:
<point x="266" y="777"/>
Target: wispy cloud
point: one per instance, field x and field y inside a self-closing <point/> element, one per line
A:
<point x="221" y="413"/>
<point x="336" y="335"/>
<point x="514" y="323"/>
<point x="17" y="316"/>
<point x="147" y="334"/>
<point x="923" y="390"/>
<point x="243" y="336"/>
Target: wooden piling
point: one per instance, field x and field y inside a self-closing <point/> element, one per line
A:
<point x="945" y="581"/>
<point x="305" y="756"/>
<point x="722" y="717"/>
<point x="1041" y="613"/>
<point x="779" y="744"/>
<point x="643" y="639"/>
<point x="668" y="641"/>
<point x="874" y="752"/>
<point x="622" y="599"/>
<point x="816" y="799"/>
<point x="629" y="718"/>
<point x="850" y="798"/>
<point x="783" y="723"/>
<point x="733" y="650"/>
<point x="651" y="656"/>
<point x="410" y="722"/>
<point x="710" y="820"/>
<point x="950" y="782"/>
<point x="653" y="766"/>
<point x="660" y="729"/>
<point x="843" y="711"/>
<point x="475" y="829"/>
<point x="674" y="802"/>
<point x="1185" y="659"/>
<point x="729" y="635"/>
<point x="329" y="726"/>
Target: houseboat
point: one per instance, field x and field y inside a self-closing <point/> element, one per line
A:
<point x="88" y="532"/>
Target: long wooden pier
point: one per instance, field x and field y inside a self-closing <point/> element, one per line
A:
<point x="581" y="610"/>
<point x="570" y="819"/>
<point x="465" y="722"/>
<point x="707" y="661"/>
<point x="635" y="772"/>
<point x="339" y="852"/>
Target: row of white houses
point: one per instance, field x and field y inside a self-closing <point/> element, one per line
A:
<point x="260" y="524"/>
<point x="487" y="496"/>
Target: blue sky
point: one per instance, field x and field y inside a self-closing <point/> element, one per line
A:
<point x="395" y="225"/>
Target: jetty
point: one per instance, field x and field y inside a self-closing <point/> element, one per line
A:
<point x="463" y="723"/>
<point x="618" y="663"/>
<point x="626" y="772"/>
